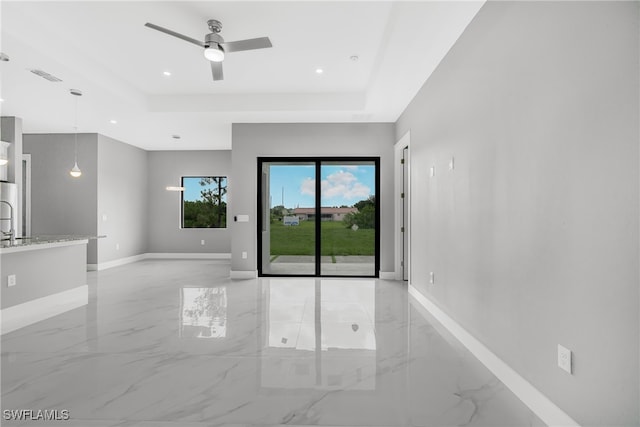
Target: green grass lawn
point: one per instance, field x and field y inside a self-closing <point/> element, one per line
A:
<point x="336" y="239"/>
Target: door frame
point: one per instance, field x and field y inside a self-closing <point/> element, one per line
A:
<point x="400" y="256"/>
<point x="26" y="202"/>
<point x="318" y="160"/>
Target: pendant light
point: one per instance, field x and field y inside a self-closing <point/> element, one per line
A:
<point x="75" y="171"/>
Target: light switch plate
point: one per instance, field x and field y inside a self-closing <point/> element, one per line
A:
<point x="11" y="280"/>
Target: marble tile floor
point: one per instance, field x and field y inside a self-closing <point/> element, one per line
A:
<point x="336" y="266"/>
<point x="166" y="343"/>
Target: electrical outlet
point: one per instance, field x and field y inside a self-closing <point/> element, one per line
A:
<point x="244" y="255"/>
<point x="202" y="242"/>
<point x="432" y="278"/>
<point x="564" y="359"/>
<point x="11" y="280"/>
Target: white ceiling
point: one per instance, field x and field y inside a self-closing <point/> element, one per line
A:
<point x="104" y="49"/>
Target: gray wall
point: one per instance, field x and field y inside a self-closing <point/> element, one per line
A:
<point x="533" y="238"/>
<point x="166" y="168"/>
<point x="251" y="141"/>
<point x="61" y="204"/>
<point x="122" y="199"/>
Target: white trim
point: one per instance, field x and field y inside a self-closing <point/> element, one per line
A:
<point x="37" y="246"/>
<point x="115" y="263"/>
<point x="389" y="275"/>
<point x="25" y="314"/>
<point x="540" y="404"/>
<point x="155" y="255"/>
<point x="398" y="148"/>
<point x="242" y="274"/>
<point x="26" y="159"/>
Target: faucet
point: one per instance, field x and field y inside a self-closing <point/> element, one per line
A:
<point x="11" y="233"/>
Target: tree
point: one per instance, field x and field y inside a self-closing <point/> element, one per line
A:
<point x="214" y="197"/>
<point x="278" y="212"/>
<point x="370" y="201"/>
<point x="366" y="215"/>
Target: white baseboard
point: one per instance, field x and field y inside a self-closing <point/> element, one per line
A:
<point x="30" y="312"/>
<point x="243" y="275"/>
<point x="540" y="404"/>
<point x="115" y="263"/>
<point x="388" y="275"/>
<point x="155" y="255"/>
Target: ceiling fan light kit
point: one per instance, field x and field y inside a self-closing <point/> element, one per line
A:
<point x="214" y="45"/>
<point x="215" y="54"/>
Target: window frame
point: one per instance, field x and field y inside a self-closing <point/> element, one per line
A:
<point x="182" y="184"/>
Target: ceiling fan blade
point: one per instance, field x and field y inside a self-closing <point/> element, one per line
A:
<point x="249" y="44"/>
<point x="216" y="70"/>
<point x="174" y="34"/>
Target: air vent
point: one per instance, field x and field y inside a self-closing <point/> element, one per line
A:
<point x="46" y="75"/>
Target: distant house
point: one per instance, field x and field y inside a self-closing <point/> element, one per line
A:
<point x="326" y="214"/>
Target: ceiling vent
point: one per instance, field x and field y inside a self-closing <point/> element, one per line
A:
<point x="46" y="75"/>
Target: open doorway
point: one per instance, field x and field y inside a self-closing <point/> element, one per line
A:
<point x="318" y="217"/>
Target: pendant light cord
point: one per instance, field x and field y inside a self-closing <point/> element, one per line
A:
<point x="76" y="134"/>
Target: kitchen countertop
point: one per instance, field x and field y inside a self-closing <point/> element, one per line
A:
<point x="42" y="242"/>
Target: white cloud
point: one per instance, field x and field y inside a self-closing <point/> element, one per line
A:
<point x="308" y="187"/>
<point x="338" y="185"/>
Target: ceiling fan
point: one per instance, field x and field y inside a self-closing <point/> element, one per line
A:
<point x="214" y="45"/>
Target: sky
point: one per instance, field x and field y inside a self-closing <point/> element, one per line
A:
<point x="341" y="184"/>
<point x="192" y="188"/>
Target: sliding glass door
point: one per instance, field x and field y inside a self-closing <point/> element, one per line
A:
<point x="318" y="217"/>
<point x="288" y="239"/>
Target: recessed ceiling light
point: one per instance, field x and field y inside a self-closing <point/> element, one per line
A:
<point x="319" y="71"/>
<point x="113" y="122"/>
<point x="167" y="73"/>
<point x="175" y="136"/>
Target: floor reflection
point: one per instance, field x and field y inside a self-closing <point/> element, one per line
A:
<point x="319" y="334"/>
<point x="203" y="312"/>
<point x="177" y="343"/>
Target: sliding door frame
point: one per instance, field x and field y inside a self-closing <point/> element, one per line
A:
<point x="317" y="161"/>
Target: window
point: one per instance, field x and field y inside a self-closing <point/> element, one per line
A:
<point x="204" y="202"/>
